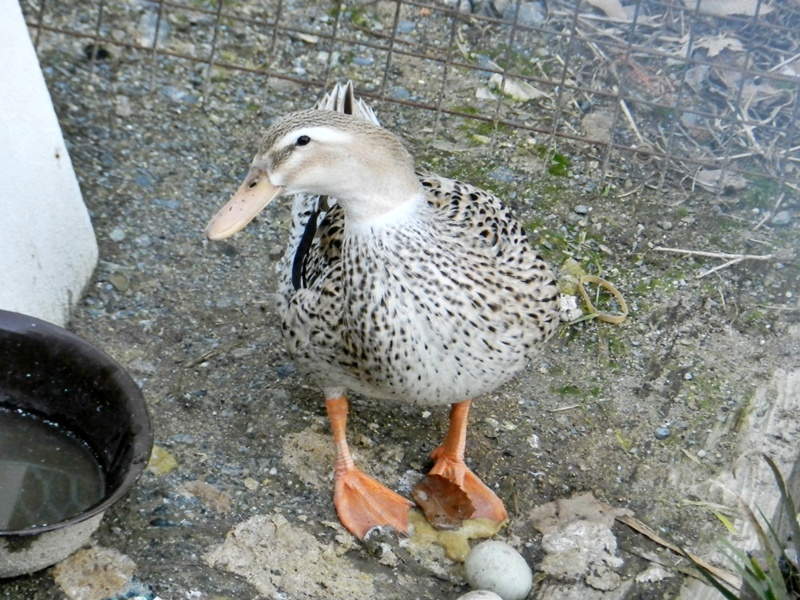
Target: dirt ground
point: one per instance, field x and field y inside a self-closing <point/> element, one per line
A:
<point x="643" y="415"/>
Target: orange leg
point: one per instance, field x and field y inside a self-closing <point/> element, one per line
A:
<point x="361" y="502"/>
<point x="450" y="464"/>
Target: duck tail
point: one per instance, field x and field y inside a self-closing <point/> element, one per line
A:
<point x="342" y="99"/>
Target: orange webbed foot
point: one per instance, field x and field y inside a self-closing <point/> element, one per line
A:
<point x="484" y="500"/>
<point x="363" y="503"/>
<point x="450" y="464"/>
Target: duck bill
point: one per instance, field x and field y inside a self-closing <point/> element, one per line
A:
<point x="250" y="199"/>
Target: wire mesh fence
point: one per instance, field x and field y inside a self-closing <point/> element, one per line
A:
<point x="700" y="93"/>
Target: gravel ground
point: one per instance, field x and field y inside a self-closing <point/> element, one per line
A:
<point x="643" y="415"/>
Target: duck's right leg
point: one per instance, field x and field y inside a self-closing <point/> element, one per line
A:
<point x="361" y="502"/>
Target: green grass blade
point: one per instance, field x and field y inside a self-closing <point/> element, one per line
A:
<point x="771" y="554"/>
<point x="788" y="503"/>
<point x="742" y="563"/>
<point x="711" y="578"/>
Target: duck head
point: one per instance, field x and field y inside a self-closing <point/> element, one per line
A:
<point x="365" y="167"/>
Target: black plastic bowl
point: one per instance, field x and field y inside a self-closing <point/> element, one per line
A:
<point x="52" y="373"/>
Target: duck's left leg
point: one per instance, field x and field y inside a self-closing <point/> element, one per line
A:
<point x="450" y="464"/>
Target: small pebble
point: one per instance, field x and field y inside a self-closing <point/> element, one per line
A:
<point x="701" y="454"/>
<point x="782" y="218"/>
<point x="120" y="282"/>
<point x="503" y="174"/>
<point x="117" y="234"/>
<point x="581" y="209"/>
<point x="529" y="14"/>
<point x="284" y="371"/>
<point x="363" y="61"/>
<point x="143" y="180"/>
<point x="662" y="433"/>
<point x="162" y="522"/>
<point x="400" y="93"/>
<point x="666" y="225"/>
<point x="406" y="26"/>
<point x="167" y="203"/>
<point x="497" y="567"/>
<point x="178" y="95"/>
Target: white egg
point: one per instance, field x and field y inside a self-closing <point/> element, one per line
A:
<point x="496" y="567"/>
<point x="480" y="595"/>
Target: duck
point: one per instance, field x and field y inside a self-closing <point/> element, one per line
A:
<point x="396" y="285"/>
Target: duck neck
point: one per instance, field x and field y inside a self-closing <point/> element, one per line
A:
<point x="385" y="214"/>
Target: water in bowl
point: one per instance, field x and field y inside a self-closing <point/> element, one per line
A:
<point x="47" y="474"/>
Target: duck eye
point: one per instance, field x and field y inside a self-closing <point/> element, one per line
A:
<point x="302" y="140"/>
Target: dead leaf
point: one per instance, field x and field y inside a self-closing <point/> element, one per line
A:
<point x="790" y="69"/>
<point x="724" y="8"/>
<point x="612" y="8"/>
<point x="753" y="93"/>
<point x="697" y="77"/>
<point x="716" y="45"/>
<point x="516" y="89"/>
<point x="444" y="503"/>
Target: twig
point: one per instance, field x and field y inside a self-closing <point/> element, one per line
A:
<point x="730" y="263"/>
<point x="631" y="122"/>
<point x="222" y="349"/>
<point x="769" y="214"/>
<point x="731" y="258"/>
<point x="785" y="62"/>
<point x="563" y="408"/>
<point x="725" y="255"/>
<point x="635" y="190"/>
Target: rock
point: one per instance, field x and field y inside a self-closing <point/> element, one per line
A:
<point x="146" y="34"/>
<point x="662" y="433"/>
<point x="280" y="559"/>
<point x="122" y="106"/>
<point x="503" y="174"/>
<point x="582" y="550"/>
<point x="94" y="573"/>
<point x="581" y="209"/>
<point x="120" y="282"/>
<point x="406" y="26"/>
<point x="530" y="13"/>
<point x="167" y="203"/>
<point x="143" y="241"/>
<point x="400" y="93"/>
<point x="782" y="218"/>
<point x="497" y="567"/>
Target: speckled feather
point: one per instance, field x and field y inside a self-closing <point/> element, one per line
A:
<point x="440" y="308"/>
